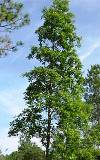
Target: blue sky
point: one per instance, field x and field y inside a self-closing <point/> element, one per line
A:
<point x="12" y="85"/>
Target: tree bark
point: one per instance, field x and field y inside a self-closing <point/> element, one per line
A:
<point x="48" y="134"/>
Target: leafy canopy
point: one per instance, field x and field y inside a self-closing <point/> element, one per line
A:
<point x="55" y="112"/>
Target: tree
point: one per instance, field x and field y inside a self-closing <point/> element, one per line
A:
<point x="2" y="157"/>
<point x="92" y="96"/>
<point x="70" y="140"/>
<point x="27" y="151"/>
<point x="12" y="156"/>
<point x="53" y="97"/>
<point x="11" y="18"/>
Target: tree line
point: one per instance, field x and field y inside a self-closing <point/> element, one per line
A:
<point x="63" y="106"/>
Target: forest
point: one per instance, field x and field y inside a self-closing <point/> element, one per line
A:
<point x="62" y="104"/>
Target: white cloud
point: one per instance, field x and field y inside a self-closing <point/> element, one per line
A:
<point x="90" y="51"/>
<point x="38" y="142"/>
<point x="7" y="145"/>
<point x="10" y="144"/>
<point x="11" y="101"/>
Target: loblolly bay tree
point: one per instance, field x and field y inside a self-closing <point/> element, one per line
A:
<point x="54" y="106"/>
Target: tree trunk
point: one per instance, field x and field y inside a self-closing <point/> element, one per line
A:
<point x="48" y="134"/>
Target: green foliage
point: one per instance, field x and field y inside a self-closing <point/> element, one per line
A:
<point x="2" y="157"/>
<point x="68" y="142"/>
<point x="11" y="18"/>
<point x="55" y="111"/>
<point x="92" y="96"/>
<point x="12" y="156"/>
<point x="93" y="91"/>
<point x="27" y="151"/>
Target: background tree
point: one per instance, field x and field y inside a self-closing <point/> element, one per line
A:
<point x="55" y="88"/>
<point x="11" y="18"/>
<point x="27" y="151"/>
<point x="92" y="97"/>
<point x="2" y="157"/>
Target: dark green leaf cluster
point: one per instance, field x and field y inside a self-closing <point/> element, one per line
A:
<point x="11" y="16"/>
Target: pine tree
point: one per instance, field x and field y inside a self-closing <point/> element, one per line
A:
<point x="11" y="18"/>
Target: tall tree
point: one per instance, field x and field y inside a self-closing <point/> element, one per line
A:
<point x="11" y="18"/>
<point x="55" y="88"/>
